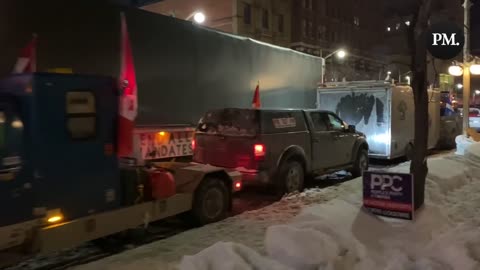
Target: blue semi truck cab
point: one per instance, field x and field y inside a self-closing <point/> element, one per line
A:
<point x="62" y="129"/>
<point x="59" y="170"/>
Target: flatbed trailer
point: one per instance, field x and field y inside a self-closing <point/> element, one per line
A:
<point x="62" y="183"/>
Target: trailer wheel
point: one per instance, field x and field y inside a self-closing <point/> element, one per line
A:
<point x="211" y="201"/>
<point x="361" y="163"/>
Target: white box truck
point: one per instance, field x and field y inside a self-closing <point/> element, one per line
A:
<point x="383" y="111"/>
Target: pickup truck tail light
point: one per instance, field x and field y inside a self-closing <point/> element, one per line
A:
<point x="259" y="151"/>
<point x="193" y="144"/>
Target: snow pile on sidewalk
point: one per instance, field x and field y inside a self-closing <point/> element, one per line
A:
<point x="326" y="229"/>
<point x="339" y="234"/>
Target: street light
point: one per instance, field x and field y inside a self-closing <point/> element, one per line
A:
<point x="341" y="53"/>
<point x="198" y="17"/>
<point x="408" y="79"/>
<point x="455" y="70"/>
<point x="475" y="69"/>
<point x="459" y="86"/>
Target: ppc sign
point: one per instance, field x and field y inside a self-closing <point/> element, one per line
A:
<point x="388" y="194"/>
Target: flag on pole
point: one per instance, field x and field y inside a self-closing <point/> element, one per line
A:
<point x="256" y="97"/>
<point x="27" y="60"/>
<point x="128" y="97"/>
<point x="449" y="107"/>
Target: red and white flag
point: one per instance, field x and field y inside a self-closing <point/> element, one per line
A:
<point x="128" y="98"/>
<point x="256" y="98"/>
<point x="27" y="60"/>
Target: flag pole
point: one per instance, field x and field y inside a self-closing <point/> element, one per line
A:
<point x="34" y="53"/>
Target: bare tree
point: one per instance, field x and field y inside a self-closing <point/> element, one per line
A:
<point x="418" y="47"/>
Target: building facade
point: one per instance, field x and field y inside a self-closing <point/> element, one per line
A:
<point x="263" y="20"/>
<point x="316" y="27"/>
<point x="320" y="27"/>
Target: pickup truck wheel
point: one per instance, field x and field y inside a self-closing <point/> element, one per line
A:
<point x="361" y="163"/>
<point x="211" y="202"/>
<point x="291" y="177"/>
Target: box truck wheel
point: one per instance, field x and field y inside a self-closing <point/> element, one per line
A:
<point x="361" y="163"/>
<point x="211" y="201"/>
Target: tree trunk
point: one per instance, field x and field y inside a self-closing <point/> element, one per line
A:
<point x="418" y="46"/>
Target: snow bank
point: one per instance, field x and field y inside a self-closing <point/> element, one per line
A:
<point x="229" y="256"/>
<point x="462" y="144"/>
<point x="340" y="235"/>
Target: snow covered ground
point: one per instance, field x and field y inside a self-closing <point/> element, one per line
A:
<point x="326" y="229"/>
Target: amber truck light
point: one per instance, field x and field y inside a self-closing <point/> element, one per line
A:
<point x="55" y="219"/>
<point x="259" y="151"/>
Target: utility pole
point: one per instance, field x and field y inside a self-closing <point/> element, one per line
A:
<point x="466" y="66"/>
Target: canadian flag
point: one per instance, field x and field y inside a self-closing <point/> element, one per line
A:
<point x="128" y="98"/>
<point x="26" y="61"/>
<point x="256" y="97"/>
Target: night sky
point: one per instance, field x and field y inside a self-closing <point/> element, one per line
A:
<point x="405" y="7"/>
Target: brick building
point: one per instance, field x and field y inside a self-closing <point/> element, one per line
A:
<point x="320" y="27"/>
<point x="264" y="20"/>
<point x="315" y="27"/>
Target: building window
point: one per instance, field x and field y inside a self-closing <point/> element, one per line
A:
<point x="321" y="32"/>
<point x="81" y="115"/>
<point x="265" y="18"/>
<point x="280" y="24"/>
<point x="304" y="28"/>
<point x="307" y="4"/>
<point x="247" y="13"/>
<point x="356" y="21"/>
<point x="324" y="7"/>
<point x="310" y="29"/>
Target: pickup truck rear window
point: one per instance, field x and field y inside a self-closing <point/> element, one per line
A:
<point x="230" y="122"/>
<point x="282" y="121"/>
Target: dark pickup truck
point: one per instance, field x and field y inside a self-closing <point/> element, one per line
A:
<point x="279" y="147"/>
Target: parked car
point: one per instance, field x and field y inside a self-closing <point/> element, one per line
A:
<point x="279" y="147"/>
<point x="474" y="117"/>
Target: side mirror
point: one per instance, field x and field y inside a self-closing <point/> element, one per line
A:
<point x="352" y="129"/>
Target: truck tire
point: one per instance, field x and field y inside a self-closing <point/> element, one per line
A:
<point x="211" y="202"/>
<point x="291" y="177"/>
<point x="361" y="163"/>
